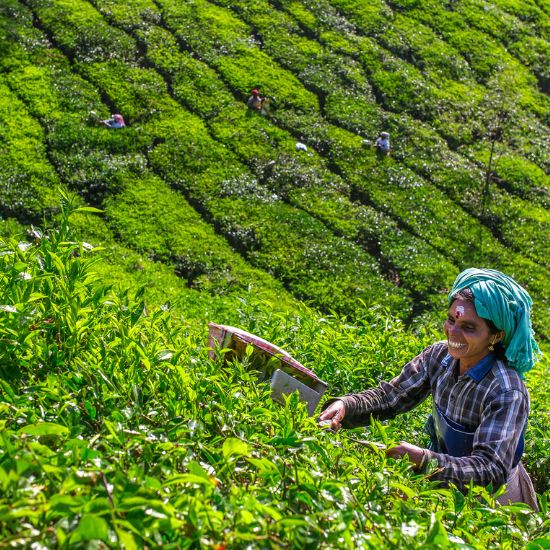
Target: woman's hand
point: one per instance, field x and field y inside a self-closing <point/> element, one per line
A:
<point x="335" y="412"/>
<point x="417" y="455"/>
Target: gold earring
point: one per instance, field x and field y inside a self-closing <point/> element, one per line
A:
<point x="492" y="345"/>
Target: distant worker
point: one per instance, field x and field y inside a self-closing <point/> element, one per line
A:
<point x="255" y="101"/>
<point x="115" y="122"/>
<point x="382" y="144"/>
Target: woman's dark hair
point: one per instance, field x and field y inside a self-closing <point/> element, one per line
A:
<point x="468" y="296"/>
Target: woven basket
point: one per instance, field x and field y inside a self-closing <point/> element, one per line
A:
<point x="267" y="359"/>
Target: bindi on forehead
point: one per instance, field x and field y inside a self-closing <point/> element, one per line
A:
<point x="459" y="311"/>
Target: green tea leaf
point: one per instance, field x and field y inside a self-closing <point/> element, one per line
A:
<point x="44" y="428"/>
<point x="437" y="534"/>
<point x="293" y="522"/>
<point x="264" y="465"/>
<point x="188" y="478"/>
<point x="126" y="540"/>
<point x="87" y="209"/>
<point x="234" y="446"/>
<point x="91" y="528"/>
<point x="196" y="469"/>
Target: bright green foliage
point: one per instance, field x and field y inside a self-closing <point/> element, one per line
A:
<point x="28" y="180"/>
<point x="226" y="153"/>
<point x="81" y="29"/>
<point x="133" y="437"/>
<point x="118" y="428"/>
<point x="160" y="224"/>
<point x="525" y="178"/>
<point x="535" y="53"/>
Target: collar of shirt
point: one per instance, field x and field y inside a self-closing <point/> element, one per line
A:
<point x="479" y="371"/>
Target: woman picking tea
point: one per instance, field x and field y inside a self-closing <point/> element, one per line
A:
<point x="480" y="402"/>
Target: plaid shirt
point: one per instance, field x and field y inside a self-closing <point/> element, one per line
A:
<point x="490" y="400"/>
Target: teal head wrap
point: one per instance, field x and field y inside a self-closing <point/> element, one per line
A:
<point x="500" y="299"/>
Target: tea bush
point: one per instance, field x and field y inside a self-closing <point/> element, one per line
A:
<point x="534" y="52"/>
<point x="524" y="178"/>
<point x="334" y="144"/>
<point x="81" y="31"/>
<point x="420" y="45"/>
<point x="496" y="22"/>
<point x="117" y="428"/>
<point x="28" y="180"/>
<point x="118" y="446"/>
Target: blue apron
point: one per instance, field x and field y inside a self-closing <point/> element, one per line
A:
<point x="449" y="437"/>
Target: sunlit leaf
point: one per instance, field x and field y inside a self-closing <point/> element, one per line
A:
<point x="234" y="446"/>
<point x="91" y="527"/>
<point x="44" y="428"/>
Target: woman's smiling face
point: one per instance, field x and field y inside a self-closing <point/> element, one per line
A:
<point x="468" y="335"/>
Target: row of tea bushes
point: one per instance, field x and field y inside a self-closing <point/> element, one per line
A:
<point x="98" y="164"/>
<point x="406" y="217"/>
<point x="524" y="178"/>
<point x="82" y="33"/>
<point x="301" y="180"/>
<point x="270" y="242"/>
<point x="506" y="24"/>
<point x="28" y="180"/>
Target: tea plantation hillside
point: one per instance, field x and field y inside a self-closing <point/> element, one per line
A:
<point x="118" y="431"/>
<point x="117" y="246"/>
<point x="200" y="185"/>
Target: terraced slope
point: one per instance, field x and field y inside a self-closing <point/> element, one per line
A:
<point x="222" y="196"/>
